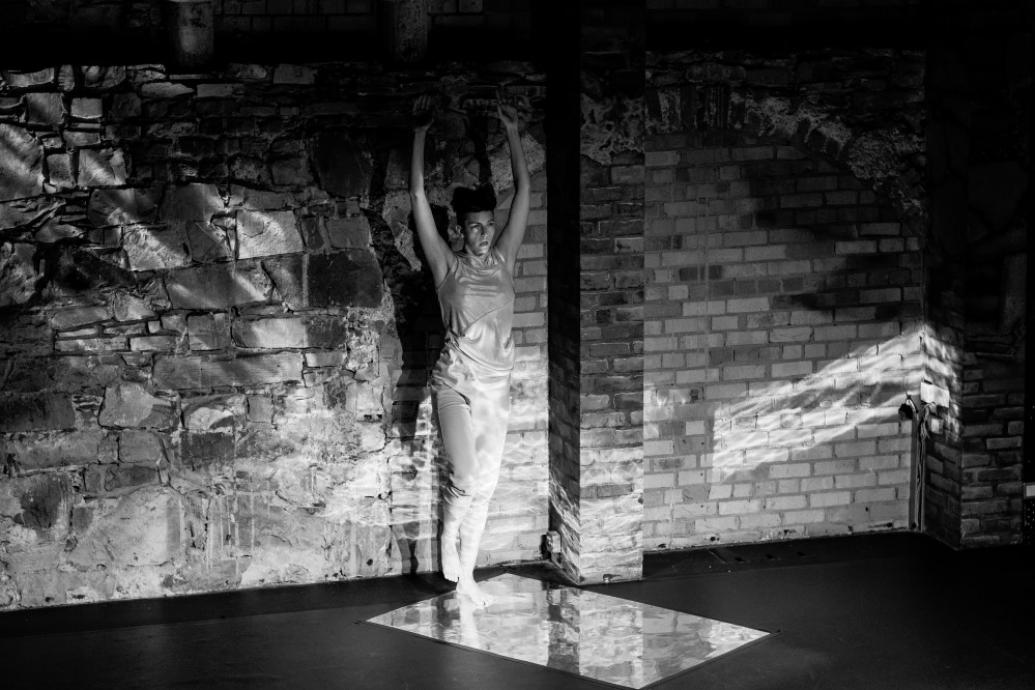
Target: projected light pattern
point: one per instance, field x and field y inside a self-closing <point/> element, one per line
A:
<point x="612" y="640"/>
<point x="780" y="419"/>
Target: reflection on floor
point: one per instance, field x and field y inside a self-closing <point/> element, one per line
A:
<point x="617" y="641"/>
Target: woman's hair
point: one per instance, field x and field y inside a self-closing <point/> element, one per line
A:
<point x="471" y="200"/>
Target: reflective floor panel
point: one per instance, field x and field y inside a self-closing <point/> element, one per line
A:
<point x="612" y="640"/>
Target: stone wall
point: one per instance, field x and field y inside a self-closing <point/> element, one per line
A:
<point x="217" y="330"/>
<point x="783" y="298"/>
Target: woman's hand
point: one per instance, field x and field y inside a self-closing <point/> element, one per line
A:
<point x="507" y="111"/>
<point x="423" y="113"/>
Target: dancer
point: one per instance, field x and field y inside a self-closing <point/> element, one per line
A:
<point x="471" y="380"/>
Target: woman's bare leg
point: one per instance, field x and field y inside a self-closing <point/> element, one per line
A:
<point x="490" y="415"/>
<point x="458" y="437"/>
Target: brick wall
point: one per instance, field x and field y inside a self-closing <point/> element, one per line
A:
<point x="217" y="331"/>
<point x="782" y="307"/>
<point x="778" y="347"/>
<point x="294" y="16"/>
<point x="277" y="16"/>
<point x="596" y="463"/>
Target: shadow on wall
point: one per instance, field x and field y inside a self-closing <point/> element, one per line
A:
<point x="418" y="331"/>
<point x="419" y="471"/>
<point x="800" y="334"/>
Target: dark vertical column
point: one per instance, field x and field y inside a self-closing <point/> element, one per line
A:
<point x="1029" y="349"/>
<point x="980" y="195"/>
<point x="559" y="24"/>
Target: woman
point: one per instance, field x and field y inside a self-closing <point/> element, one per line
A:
<point x="471" y="380"/>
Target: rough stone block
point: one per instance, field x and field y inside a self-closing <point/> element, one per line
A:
<point x="288" y="274"/>
<point x="196" y="372"/>
<point x="140" y="446"/>
<point x="85" y="135"/>
<point x="260" y="409"/>
<point x="247" y="72"/>
<point x="164" y="89"/>
<point x="208" y="332"/>
<point x="41" y="503"/>
<point x="18" y="79"/>
<point x="87" y="108"/>
<point x="155" y="247"/>
<point x="102" y="168"/>
<point x="121" y="206"/>
<point x="129" y="477"/>
<point x="124" y="105"/>
<point x="41" y="412"/>
<point x="59" y="171"/>
<point x="294" y="74"/>
<point x="153" y="343"/>
<point x="141" y="528"/>
<point x="214" y="413"/>
<point x="350" y="232"/>
<point x="197" y="202"/>
<point x="27" y="211"/>
<point x="128" y="307"/>
<point x="266" y="233"/>
<point x="18" y="277"/>
<point x="103" y="76"/>
<point x="129" y="405"/>
<point x="259" y="199"/>
<point x="342" y="165"/>
<point x="350" y="279"/>
<point x="325" y="359"/>
<point x="291" y="332"/>
<point x="43" y="108"/>
<point x="291" y="171"/>
<point x="72" y="374"/>
<point x="23" y="164"/>
<point x="271" y="333"/>
<point x="200" y="449"/>
<point x="218" y="286"/>
<point x="208" y="242"/>
<point x="53" y="450"/>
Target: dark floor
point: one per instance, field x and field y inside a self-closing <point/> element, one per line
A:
<point x="884" y="611"/>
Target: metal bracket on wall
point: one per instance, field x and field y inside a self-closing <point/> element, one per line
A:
<point x="925" y="422"/>
<point x="1028" y="515"/>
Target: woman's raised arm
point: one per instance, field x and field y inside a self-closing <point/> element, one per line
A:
<point x="513" y="233"/>
<point x="437" y="251"/>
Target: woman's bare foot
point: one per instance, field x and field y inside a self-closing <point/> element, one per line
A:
<point x="467" y="587"/>
<point x="450" y="560"/>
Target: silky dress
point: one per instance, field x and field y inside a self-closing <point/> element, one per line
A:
<point x="471" y="382"/>
<point x="476" y="299"/>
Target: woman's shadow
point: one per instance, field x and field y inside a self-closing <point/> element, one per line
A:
<point x="419" y="332"/>
<point x="417" y="328"/>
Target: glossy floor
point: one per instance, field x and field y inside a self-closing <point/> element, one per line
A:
<point x="853" y="613"/>
<point x="617" y="641"/>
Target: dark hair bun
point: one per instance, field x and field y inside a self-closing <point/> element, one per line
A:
<point x="467" y="200"/>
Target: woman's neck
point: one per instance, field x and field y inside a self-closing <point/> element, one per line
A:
<point x="478" y="259"/>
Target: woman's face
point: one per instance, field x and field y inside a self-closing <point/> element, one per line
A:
<point x="478" y="230"/>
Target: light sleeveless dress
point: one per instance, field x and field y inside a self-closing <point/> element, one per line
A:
<point x="476" y="298"/>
